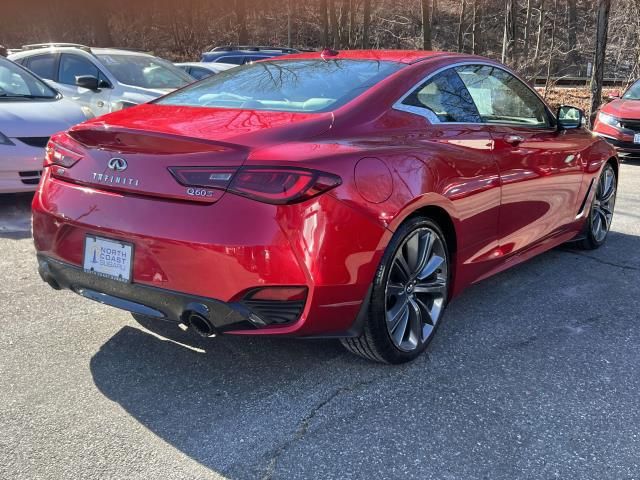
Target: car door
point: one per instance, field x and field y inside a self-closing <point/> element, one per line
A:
<point x="72" y="66"/>
<point x="540" y="168"/>
<point x="459" y="151"/>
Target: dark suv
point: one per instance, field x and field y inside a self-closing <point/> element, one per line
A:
<point x="241" y="54"/>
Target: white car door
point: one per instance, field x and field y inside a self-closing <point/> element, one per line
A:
<point x="73" y="66"/>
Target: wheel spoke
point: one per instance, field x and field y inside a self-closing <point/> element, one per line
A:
<point x="400" y="266"/>
<point x="395" y="313"/>
<point x="395" y="290"/>
<point x="417" y="322"/>
<point x="434" y="263"/>
<point x="439" y="287"/>
<point x="399" y="330"/>
<point x="412" y="248"/>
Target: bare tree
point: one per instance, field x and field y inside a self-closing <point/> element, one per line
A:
<point x="333" y="15"/>
<point x="463" y="9"/>
<point x="475" y="38"/>
<point x="366" y="23"/>
<point x="241" y="21"/>
<point x="602" y="27"/>
<point x="572" y="36"/>
<point x="510" y="31"/>
<point x="426" y="24"/>
<point x="325" y="23"/>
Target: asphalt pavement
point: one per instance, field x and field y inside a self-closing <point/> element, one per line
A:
<point x="535" y="374"/>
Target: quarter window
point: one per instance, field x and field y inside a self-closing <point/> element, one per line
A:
<point x="444" y="98"/>
<point x="502" y="98"/>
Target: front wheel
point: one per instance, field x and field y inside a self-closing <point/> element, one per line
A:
<point x="409" y="295"/>
<point x="600" y="217"/>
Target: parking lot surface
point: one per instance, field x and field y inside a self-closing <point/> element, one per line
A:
<point x="535" y="373"/>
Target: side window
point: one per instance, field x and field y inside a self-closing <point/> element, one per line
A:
<point x="231" y="59"/>
<point x="444" y="98"/>
<point x="254" y="58"/>
<point x="42" y="65"/>
<point x="199" y="73"/>
<point x="72" y="66"/>
<point x="502" y="98"/>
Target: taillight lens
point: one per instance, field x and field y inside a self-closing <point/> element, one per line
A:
<point x="277" y="185"/>
<point x="59" y="152"/>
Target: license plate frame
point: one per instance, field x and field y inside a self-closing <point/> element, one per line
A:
<point x="93" y="254"/>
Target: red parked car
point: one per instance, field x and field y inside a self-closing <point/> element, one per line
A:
<point x="618" y="122"/>
<point x="335" y="194"/>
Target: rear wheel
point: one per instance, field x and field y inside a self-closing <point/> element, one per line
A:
<point x="410" y="293"/>
<point x="600" y="217"/>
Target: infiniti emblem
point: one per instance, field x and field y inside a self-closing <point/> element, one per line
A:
<point x="117" y="164"/>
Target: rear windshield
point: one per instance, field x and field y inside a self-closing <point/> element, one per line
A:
<point x="285" y="85"/>
<point x="145" y="71"/>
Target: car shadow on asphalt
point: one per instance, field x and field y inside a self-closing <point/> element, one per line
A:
<point x="15" y="215"/>
<point x="237" y="404"/>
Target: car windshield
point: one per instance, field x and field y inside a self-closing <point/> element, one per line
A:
<point x="285" y="85"/>
<point x="18" y="83"/>
<point x="144" y="71"/>
<point x="633" y="93"/>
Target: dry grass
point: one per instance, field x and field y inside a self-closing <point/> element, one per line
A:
<point x="578" y="97"/>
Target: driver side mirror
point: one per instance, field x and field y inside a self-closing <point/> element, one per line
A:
<point x="88" y="81"/>
<point x="613" y="95"/>
<point x="570" y="117"/>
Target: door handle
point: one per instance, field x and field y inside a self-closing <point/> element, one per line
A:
<point x="513" y="139"/>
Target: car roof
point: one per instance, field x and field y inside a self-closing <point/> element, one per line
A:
<point x="401" y="56"/>
<point x="84" y="50"/>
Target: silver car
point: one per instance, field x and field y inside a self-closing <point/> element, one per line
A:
<point x="102" y="79"/>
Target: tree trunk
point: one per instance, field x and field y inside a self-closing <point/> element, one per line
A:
<point x="536" y="55"/>
<point x="352" y="22"/>
<point x="463" y="8"/>
<point x="510" y="31"/>
<point x="551" y="49"/>
<point x="572" y="37"/>
<point x="241" y="21"/>
<point x="526" y="33"/>
<point x="345" y="11"/>
<point x="602" y="27"/>
<point x="334" y="23"/>
<point x="324" y="21"/>
<point x="426" y="25"/>
<point x="475" y="39"/>
<point x="366" y="23"/>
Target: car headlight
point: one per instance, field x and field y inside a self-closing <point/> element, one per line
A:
<point x="609" y="120"/>
<point x="4" y="140"/>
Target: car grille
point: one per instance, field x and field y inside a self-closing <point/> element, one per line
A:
<point x="39" y="142"/>
<point x="276" y="311"/>
<point x="31" y="177"/>
<point x="633" y="125"/>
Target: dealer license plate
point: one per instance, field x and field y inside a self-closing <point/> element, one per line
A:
<point x="108" y="258"/>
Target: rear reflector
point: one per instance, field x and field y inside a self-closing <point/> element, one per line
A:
<point x="276" y="185"/>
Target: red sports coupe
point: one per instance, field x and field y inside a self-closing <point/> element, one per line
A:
<point x="618" y="122"/>
<point x="336" y="194"/>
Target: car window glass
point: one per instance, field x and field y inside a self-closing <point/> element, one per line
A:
<point x="72" y="66"/>
<point x="502" y="98"/>
<point x="16" y="82"/>
<point x="144" y="71"/>
<point x="446" y="97"/>
<point x="633" y="93"/>
<point x="43" y="66"/>
<point x="254" y="58"/>
<point x="286" y="86"/>
<point x="199" y="73"/>
<point x="230" y="59"/>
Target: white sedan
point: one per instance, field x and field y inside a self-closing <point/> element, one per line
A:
<point x="30" y="112"/>
<point x="200" y="70"/>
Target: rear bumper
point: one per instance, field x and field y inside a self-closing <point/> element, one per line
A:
<point x="216" y="254"/>
<point x="20" y="167"/>
<point x="152" y="302"/>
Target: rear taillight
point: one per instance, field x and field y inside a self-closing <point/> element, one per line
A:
<point x="60" y="152"/>
<point x="277" y="185"/>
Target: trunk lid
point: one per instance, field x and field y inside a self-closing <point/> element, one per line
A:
<point x="131" y="151"/>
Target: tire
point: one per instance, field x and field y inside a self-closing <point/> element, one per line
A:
<point x="409" y="295"/>
<point x="598" y="223"/>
